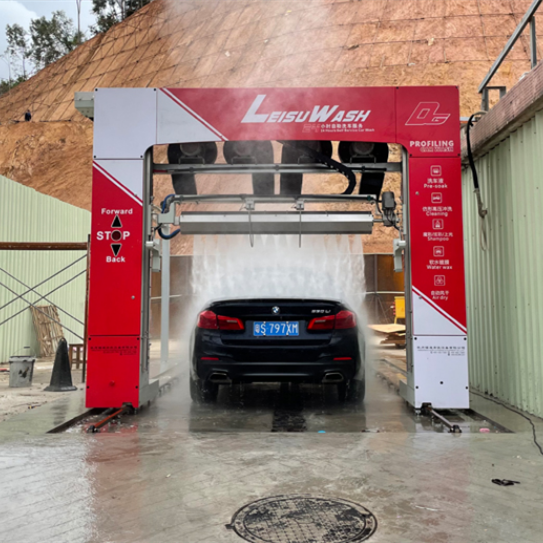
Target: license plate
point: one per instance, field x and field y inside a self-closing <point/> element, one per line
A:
<point x="270" y="329"/>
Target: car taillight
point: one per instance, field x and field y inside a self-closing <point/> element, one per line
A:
<point x="230" y="323"/>
<point x="342" y="321"/>
<point x="322" y="323"/>
<point x="207" y="320"/>
<point x="345" y="319"/>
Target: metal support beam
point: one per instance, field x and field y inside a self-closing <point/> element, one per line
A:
<point x="237" y="169"/>
<point x="19" y="296"/>
<point x="485" y="102"/>
<point x="252" y="200"/>
<point x="146" y="268"/>
<point x="41" y="296"/>
<point x="510" y="42"/>
<point x="288" y="222"/>
<point x="533" y="43"/>
<point x="42" y="246"/>
<point x="86" y="327"/>
<point x="165" y="303"/>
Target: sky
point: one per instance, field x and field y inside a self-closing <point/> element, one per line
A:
<point x="23" y="11"/>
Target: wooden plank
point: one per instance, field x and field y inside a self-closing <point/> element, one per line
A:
<point x="387" y="328"/>
<point x="76" y="352"/>
<point x="48" y="332"/>
<point x="42" y="246"/>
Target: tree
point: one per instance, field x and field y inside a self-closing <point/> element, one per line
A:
<point x="78" y="4"/>
<point x="111" y="12"/>
<point x="6" y="85"/>
<point x="53" y="38"/>
<point x="18" y="49"/>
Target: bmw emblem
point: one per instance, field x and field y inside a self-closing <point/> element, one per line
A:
<point x="275" y="310"/>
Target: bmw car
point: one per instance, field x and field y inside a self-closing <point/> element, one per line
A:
<point x="277" y="340"/>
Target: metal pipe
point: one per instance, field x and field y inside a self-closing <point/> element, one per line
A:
<point x="38" y="309"/>
<point x="147" y="235"/>
<point x="333" y="377"/>
<point x="252" y="199"/>
<point x="222" y="223"/>
<point x="41" y="296"/>
<point x="240" y="169"/>
<point x="533" y="43"/>
<point x="378" y="292"/>
<point x="219" y="377"/>
<point x="48" y="294"/>
<point x="407" y="267"/>
<point x="510" y="42"/>
<point x="453" y="428"/>
<point x="86" y="325"/>
<point x="95" y="427"/>
<point x="45" y="281"/>
<point x="165" y="303"/>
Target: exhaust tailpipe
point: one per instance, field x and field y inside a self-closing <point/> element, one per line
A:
<point x="333" y="377"/>
<point x="219" y="377"/>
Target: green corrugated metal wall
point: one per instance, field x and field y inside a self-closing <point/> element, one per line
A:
<point x="27" y="215"/>
<point x="505" y="283"/>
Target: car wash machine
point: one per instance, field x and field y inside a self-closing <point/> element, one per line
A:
<point x="127" y="222"/>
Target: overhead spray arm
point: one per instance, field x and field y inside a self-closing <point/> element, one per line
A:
<point x="253" y="222"/>
<point x="243" y="198"/>
<point x="297" y="222"/>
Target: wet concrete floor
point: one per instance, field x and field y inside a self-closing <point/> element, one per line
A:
<point x="294" y="408"/>
<point x="179" y="471"/>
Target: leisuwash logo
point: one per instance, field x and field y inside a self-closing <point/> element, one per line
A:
<point x="427" y="113"/>
<point x="319" y="114"/>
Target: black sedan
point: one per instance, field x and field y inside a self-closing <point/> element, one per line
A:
<point x="277" y="340"/>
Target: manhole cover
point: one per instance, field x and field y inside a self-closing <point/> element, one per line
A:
<point x="296" y="519"/>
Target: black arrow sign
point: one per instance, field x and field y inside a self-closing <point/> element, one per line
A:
<point x="116" y="222"/>
<point x="116" y="247"/>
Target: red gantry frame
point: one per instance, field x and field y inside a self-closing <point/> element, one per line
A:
<point x="128" y="122"/>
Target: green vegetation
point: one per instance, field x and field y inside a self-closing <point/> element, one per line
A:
<point x="31" y="50"/>
<point x="111" y="12"/>
<point x="48" y="39"/>
<point x="52" y="38"/>
<point x="6" y="85"/>
<point x="18" y="50"/>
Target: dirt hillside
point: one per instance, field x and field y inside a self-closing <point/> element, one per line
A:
<point x="230" y="43"/>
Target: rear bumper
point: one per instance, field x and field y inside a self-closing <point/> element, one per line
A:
<point x="323" y="370"/>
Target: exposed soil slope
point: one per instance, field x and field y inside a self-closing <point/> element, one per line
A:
<point x="228" y="43"/>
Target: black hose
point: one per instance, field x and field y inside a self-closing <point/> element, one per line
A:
<point x="503" y="404"/>
<point x="330" y="162"/>
<point x="166" y="203"/>
<point x="167" y="236"/>
<point x="320" y="157"/>
<point x="388" y="216"/>
<point x="470" y="154"/>
<point x="480" y="207"/>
